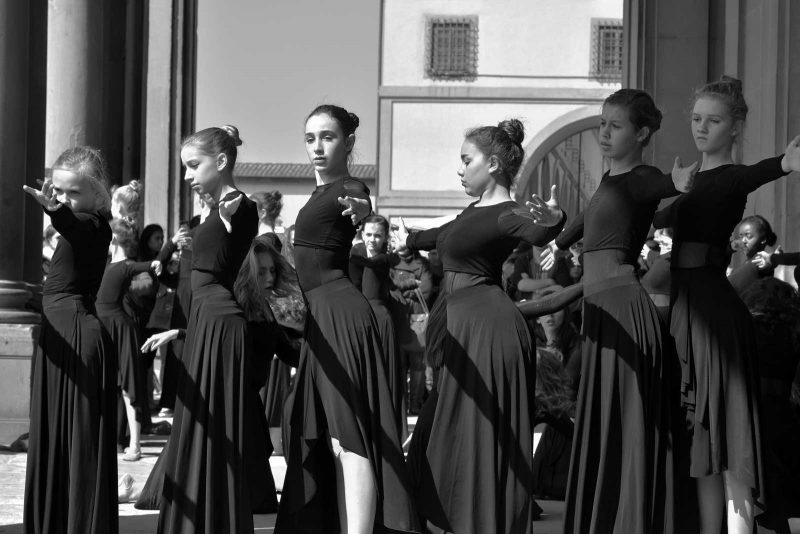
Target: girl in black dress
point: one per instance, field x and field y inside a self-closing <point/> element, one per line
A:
<point x="122" y="327"/>
<point x="205" y="484"/>
<point x="71" y="478"/>
<point x="621" y="472"/>
<point x="264" y="273"/>
<point x="472" y="450"/>
<point x="712" y="329"/>
<point x="344" y="464"/>
<point x="370" y="265"/>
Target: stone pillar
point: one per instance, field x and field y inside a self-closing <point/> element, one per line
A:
<point x="169" y="116"/>
<point x="21" y="64"/>
<point x="74" y="75"/>
<point x="666" y="54"/>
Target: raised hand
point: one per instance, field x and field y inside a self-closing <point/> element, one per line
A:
<point x="763" y="260"/>
<point x="683" y="177"/>
<point x="547" y="258"/>
<point x="156" y="267"/>
<point x="46" y="196"/>
<point x="181" y="235"/>
<point x="226" y="210"/>
<point x="791" y="158"/>
<point x="545" y="213"/>
<point x="356" y="208"/>
<point x="157" y="340"/>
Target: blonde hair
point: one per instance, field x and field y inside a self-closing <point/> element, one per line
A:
<point x="88" y="163"/>
<point x="128" y="199"/>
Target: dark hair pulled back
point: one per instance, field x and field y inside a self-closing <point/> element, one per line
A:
<point x="213" y="141"/>
<point x="348" y="121"/>
<point x="764" y="228"/>
<point x="504" y="142"/>
<point x="642" y="110"/>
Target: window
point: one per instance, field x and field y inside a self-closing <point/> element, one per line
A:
<point x="452" y="48"/>
<point x="606" y="49"/>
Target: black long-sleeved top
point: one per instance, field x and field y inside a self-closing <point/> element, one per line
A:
<point x="323" y="236"/>
<point x="217" y="254"/>
<point x="372" y="275"/>
<point x="80" y="257"/>
<point x="620" y="212"/>
<point x="116" y="279"/>
<point x="712" y="209"/>
<point x="480" y="239"/>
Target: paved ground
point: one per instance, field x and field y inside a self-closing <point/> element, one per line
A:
<point x="132" y="521"/>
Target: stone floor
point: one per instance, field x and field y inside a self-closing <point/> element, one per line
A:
<point x="133" y="521"/>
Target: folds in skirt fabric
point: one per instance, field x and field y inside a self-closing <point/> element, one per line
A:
<point x="472" y="450"/>
<point x="206" y="488"/>
<point x="715" y="341"/>
<point x="71" y="478"/>
<point x="341" y="391"/>
<point x="621" y="475"/>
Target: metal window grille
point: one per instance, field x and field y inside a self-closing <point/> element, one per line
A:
<point x="452" y="48"/>
<point x="607" y="39"/>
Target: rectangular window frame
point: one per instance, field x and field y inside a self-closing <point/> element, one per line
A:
<point x="459" y="64"/>
<point x="606" y="56"/>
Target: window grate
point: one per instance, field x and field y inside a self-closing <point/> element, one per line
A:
<point x="607" y="43"/>
<point x="452" y="48"/>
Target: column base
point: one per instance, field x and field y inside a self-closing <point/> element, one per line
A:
<point x="18" y="343"/>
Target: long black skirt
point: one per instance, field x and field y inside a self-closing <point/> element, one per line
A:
<point x="621" y="477"/>
<point x="472" y="448"/>
<point x="341" y="391"/>
<point x="392" y="362"/>
<point x="274" y="394"/>
<point x="71" y="478"/>
<point x="715" y="341"/>
<point x="206" y="488"/>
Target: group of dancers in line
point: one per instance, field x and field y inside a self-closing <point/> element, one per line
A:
<point x="469" y="465"/>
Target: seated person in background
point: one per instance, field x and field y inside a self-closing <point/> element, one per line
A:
<point x="775" y="308"/>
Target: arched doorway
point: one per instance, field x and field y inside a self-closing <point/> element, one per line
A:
<point x="566" y="153"/>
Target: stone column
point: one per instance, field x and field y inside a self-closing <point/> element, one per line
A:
<point x="21" y="64"/>
<point x="74" y="75"/>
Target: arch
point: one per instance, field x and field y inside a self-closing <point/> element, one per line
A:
<point x="545" y="161"/>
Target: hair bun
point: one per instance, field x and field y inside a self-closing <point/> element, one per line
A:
<point x="734" y="83"/>
<point x="135" y="186"/>
<point x="233" y="131"/>
<point x="354" y="120"/>
<point x="514" y="129"/>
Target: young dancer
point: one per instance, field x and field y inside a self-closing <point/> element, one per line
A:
<point x="122" y="327"/>
<point x="205" y="483"/>
<point x="621" y="473"/>
<point x="712" y="329"/>
<point x="345" y="464"/>
<point x="370" y="264"/>
<point x="472" y="450"/>
<point x="71" y="478"/>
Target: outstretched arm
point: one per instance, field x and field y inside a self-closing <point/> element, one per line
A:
<point x="552" y="302"/>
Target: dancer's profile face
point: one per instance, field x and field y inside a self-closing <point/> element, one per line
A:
<point x="619" y="137"/>
<point x="374" y="237"/>
<point x="326" y="145"/>
<point x="74" y="191"/>
<point x="713" y="126"/>
<point x="475" y="169"/>
<point x="266" y="271"/>
<point x="751" y="238"/>
<point x="202" y="170"/>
